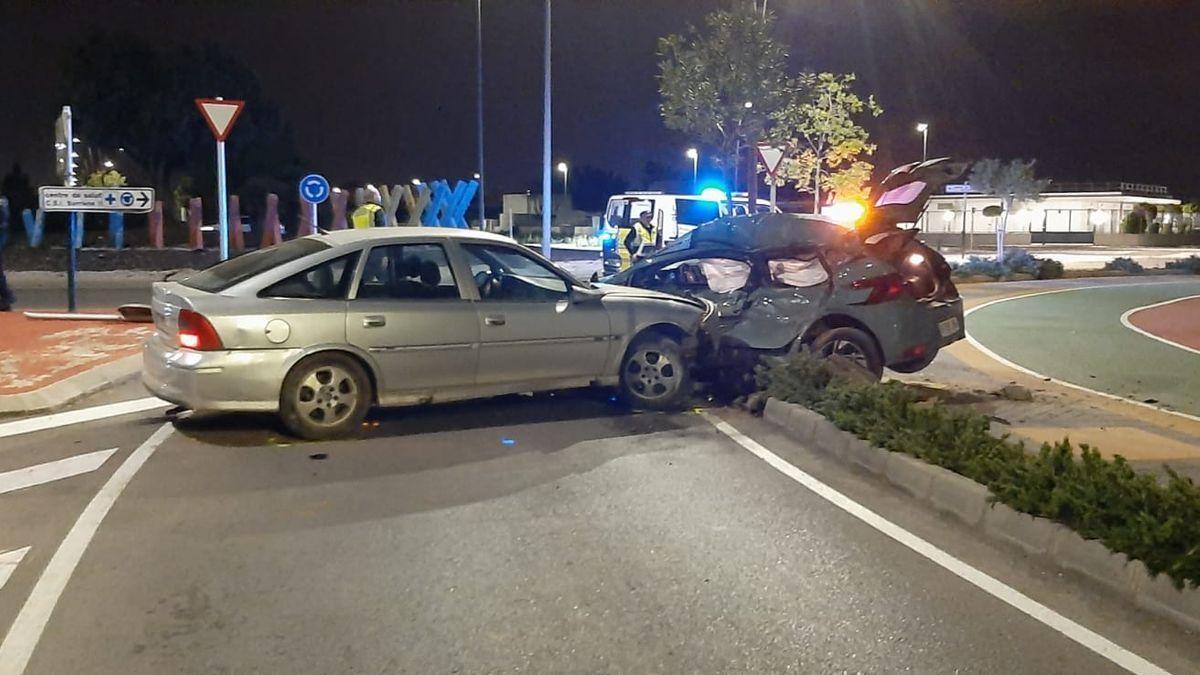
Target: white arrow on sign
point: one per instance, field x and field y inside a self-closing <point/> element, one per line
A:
<point x="9" y="561"/>
<point x="771" y="157"/>
<point x="220" y="115"/>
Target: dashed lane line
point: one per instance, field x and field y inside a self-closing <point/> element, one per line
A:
<point x="27" y="628"/>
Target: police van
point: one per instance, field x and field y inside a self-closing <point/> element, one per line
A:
<point x="673" y="215"/>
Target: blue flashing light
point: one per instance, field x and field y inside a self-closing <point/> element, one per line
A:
<point x="713" y="194"/>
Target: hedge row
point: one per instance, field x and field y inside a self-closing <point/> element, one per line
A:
<point x="1131" y="512"/>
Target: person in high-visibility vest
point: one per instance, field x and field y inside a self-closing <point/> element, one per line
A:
<point x="369" y="213"/>
<point x="637" y="240"/>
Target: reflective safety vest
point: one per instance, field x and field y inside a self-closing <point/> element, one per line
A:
<point x="364" y="216"/>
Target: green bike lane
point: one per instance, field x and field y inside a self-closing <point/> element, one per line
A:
<point x="1076" y="336"/>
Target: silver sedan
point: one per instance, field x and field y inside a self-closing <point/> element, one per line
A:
<point x="321" y="328"/>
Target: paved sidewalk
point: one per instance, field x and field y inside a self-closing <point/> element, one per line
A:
<point x="48" y="363"/>
<point x="1147" y="437"/>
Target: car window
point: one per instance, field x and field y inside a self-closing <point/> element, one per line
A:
<point x="327" y="281"/>
<point x="719" y="275"/>
<point x="797" y="272"/>
<point x="696" y="211"/>
<point x="236" y="270"/>
<point x="408" y="272"/>
<point x="503" y="273"/>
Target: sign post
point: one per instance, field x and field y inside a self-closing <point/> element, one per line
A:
<point x="64" y="145"/>
<point x="220" y="116"/>
<point x="314" y="189"/>
<point x="771" y="157"/>
<point x="963" y="189"/>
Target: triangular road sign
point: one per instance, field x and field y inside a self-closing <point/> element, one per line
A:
<point x="220" y="115"/>
<point x="771" y="157"/>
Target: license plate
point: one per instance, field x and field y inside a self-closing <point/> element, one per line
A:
<point x="948" y="327"/>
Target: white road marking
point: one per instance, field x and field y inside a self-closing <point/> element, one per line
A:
<point x="37" y="474"/>
<point x="9" y="561"/>
<point x="990" y="585"/>
<point x="27" y="628"/>
<point x="1063" y="383"/>
<point x="1129" y="324"/>
<point x="62" y="419"/>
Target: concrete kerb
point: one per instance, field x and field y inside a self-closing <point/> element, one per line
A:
<point x="968" y="501"/>
<point x="79" y="385"/>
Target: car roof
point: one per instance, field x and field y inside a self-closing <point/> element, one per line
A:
<point x="353" y="236"/>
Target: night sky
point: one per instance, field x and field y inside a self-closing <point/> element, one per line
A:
<point x="385" y="90"/>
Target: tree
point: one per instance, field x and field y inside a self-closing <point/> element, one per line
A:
<point x="1010" y="181"/>
<point x="591" y="187"/>
<point x="154" y="117"/>
<point x="19" y="190"/>
<point x="823" y="142"/>
<point x="724" y="84"/>
<point x="109" y="178"/>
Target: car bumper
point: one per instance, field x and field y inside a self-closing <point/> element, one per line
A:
<point x="923" y="333"/>
<point x="235" y="380"/>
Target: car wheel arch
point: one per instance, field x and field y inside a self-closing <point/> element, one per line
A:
<point x="362" y="360"/>
<point x="831" y="321"/>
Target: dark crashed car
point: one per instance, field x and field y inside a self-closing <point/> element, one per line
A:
<point x="875" y="294"/>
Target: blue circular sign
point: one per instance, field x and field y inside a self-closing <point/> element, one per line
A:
<point x="314" y="189"/>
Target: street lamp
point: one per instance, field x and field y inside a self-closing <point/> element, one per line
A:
<point x="562" y="168"/>
<point x="923" y="129"/>
<point x="108" y="164"/>
<point x="416" y="181"/>
<point x="694" y="155"/>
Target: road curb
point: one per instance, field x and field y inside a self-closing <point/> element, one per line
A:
<point x="81" y="384"/>
<point x="968" y="501"/>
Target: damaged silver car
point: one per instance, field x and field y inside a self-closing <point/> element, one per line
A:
<point x="874" y="294"/>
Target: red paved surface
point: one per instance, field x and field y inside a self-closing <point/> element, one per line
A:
<point x="1178" y="322"/>
<point x="37" y="353"/>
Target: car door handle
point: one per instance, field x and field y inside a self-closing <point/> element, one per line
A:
<point x="374" y="321"/>
<point x="495" y="320"/>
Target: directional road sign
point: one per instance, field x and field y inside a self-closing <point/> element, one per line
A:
<point x="314" y="189"/>
<point x="96" y="200"/>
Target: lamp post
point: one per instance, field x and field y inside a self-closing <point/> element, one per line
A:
<point x="562" y="168"/>
<point x="546" y="204"/>
<point x="479" y="103"/>
<point x="923" y="129"/>
<point x="694" y="155"/>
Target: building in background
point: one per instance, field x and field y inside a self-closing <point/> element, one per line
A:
<point x="1067" y="213"/>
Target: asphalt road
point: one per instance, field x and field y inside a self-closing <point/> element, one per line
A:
<point x="1078" y="337"/>
<point x="552" y="533"/>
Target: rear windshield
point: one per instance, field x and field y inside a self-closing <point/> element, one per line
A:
<point x="236" y="270"/>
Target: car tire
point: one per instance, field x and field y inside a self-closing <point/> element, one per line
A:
<point x="654" y="374"/>
<point x="325" y="396"/>
<point x="852" y="344"/>
<point x="914" y="365"/>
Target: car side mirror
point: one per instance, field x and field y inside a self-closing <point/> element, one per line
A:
<point x="582" y="295"/>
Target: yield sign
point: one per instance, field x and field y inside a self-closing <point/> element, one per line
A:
<point x="770" y="157"/>
<point x="220" y="115"/>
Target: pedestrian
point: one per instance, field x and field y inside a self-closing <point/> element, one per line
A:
<point x="7" y="299"/>
<point x="637" y="240"/>
<point x="370" y="212"/>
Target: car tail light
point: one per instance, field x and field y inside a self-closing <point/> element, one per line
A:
<point x="197" y="332"/>
<point x="883" y="288"/>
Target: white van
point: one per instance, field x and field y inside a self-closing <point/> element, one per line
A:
<point x="674" y="214"/>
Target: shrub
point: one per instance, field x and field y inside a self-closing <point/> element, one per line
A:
<point x="976" y="265"/>
<point x="1154" y="228"/>
<point x="1133" y="223"/>
<point x="1050" y="268"/>
<point x="1189" y="264"/>
<point x="1128" y="265"/>
<point x="1130" y="512"/>
<point x="1022" y="261"/>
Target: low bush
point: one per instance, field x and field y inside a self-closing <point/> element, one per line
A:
<point x="1189" y="264"/>
<point x="1133" y="223"/>
<point x="1049" y="268"/>
<point x="1104" y="499"/>
<point x="1128" y="265"/>
<point x="1154" y="228"/>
